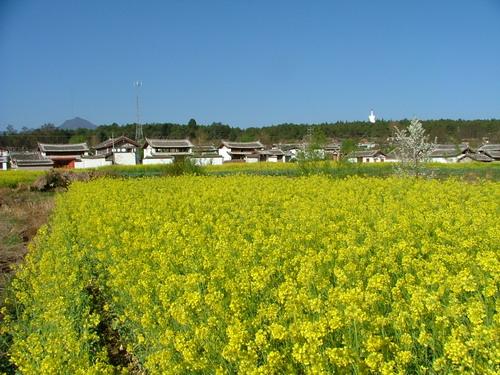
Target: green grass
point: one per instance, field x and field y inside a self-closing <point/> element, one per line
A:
<point x="488" y="171"/>
<point x="13" y="178"/>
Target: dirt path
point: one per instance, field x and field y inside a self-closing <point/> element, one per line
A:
<point x="22" y="212"/>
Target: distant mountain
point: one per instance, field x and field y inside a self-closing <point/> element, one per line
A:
<point x="77" y="123"/>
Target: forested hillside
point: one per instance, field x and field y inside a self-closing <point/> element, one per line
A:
<point x="445" y="131"/>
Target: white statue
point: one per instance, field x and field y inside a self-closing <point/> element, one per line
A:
<point x="371" y="117"/>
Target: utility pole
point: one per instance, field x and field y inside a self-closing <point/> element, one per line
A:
<point x="139" y="136"/>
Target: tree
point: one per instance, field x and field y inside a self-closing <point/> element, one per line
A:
<point x="10" y="130"/>
<point x="348" y="146"/>
<point x="78" y="138"/>
<point x="192" y="123"/>
<point x="192" y="126"/>
<point x="315" y="142"/>
<point x="48" y="126"/>
<point x="412" y="148"/>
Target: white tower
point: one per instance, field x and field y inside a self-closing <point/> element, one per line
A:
<point x="371" y="117"/>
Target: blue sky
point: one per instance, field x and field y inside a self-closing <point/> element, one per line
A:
<point x="248" y="63"/>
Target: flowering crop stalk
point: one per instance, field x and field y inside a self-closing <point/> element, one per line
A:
<point x="256" y="274"/>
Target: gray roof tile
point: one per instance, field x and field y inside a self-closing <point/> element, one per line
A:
<point x="122" y="141"/>
<point x="77" y="147"/>
<point x="242" y="145"/>
<point x="168" y="143"/>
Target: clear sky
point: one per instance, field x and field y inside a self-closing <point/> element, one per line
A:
<point x="248" y="63"/>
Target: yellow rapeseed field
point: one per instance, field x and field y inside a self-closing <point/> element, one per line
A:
<point x="263" y="275"/>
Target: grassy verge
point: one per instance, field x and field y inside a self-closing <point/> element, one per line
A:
<point x="488" y="171"/>
<point x="14" y="178"/>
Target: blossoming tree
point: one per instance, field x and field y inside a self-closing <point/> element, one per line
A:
<point x="412" y="148"/>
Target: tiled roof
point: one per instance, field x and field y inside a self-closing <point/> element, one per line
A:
<point x="30" y="158"/>
<point x="159" y="157"/>
<point x="127" y="145"/>
<point x="478" y="157"/>
<point x="493" y="154"/>
<point x="242" y="145"/>
<point x="168" y="143"/>
<point x="449" y="150"/>
<point x="365" y="154"/>
<point x="332" y="146"/>
<point x="206" y="155"/>
<point x="291" y="146"/>
<point x="249" y="152"/>
<point x="272" y="152"/>
<point x="204" y="148"/>
<point x="122" y="141"/>
<point x="77" y="147"/>
<point x="489" y="147"/>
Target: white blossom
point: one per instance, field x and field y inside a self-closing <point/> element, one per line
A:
<point x="412" y="148"/>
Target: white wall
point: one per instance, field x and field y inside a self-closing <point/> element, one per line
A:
<point x="148" y="151"/>
<point x="33" y="168"/>
<point x="92" y="163"/>
<point x="157" y="161"/>
<point x="124" y="158"/>
<point x="224" y="152"/>
<point x="376" y="159"/>
<point x="3" y="166"/>
<point x="202" y="161"/>
<point x="453" y="159"/>
<point x="274" y="159"/>
<point x="252" y="160"/>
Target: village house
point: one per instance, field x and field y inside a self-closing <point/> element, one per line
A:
<point x="238" y="151"/>
<point x="30" y="161"/>
<point x="92" y="161"/>
<point x="291" y="150"/>
<point x="63" y="155"/>
<point x="252" y="158"/>
<point x="121" y="150"/>
<point x="332" y="151"/>
<point x="449" y="153"/>
<point x="370" y="156"/>
<point x="274" y="155"/>
<point x="166" y="151"/>
<point x="490" y="150"/>
<point x="365" y="144"/>
<point x="206" y="155"/>
<point x="4" y="159"/>
<point x="392" y="157"/>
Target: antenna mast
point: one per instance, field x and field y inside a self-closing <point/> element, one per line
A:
<point x="139" y="136"/>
